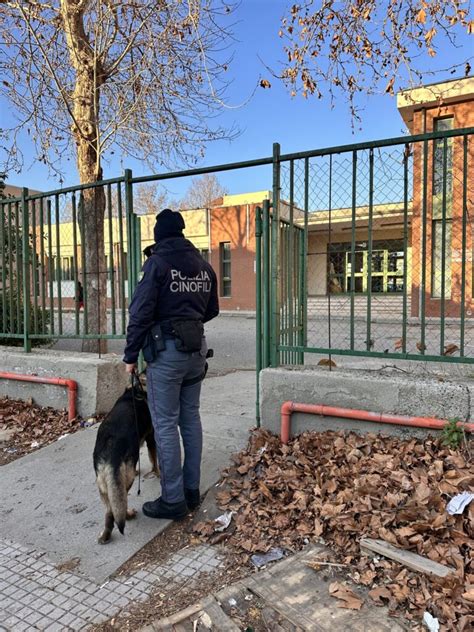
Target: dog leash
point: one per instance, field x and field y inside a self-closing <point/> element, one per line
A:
<point x="135" y="381"/>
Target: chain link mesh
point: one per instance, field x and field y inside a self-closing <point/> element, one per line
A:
<point x="389" y="248"/>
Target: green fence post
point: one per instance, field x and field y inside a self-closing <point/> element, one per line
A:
<point x="266" y="284"/>
<point x="133" y="251"/>
<point x="289" y="271"/>
<point x="58" y="263"/>
<point x="353" y="245"/>
<point x="121" y="258"/>
<point x="26" y="270"/>
<point x="19" y="261"/>
<point x="424" y="211"/>
<point x="369" y="254"/>
<point x="258" y="287"/>
<point x="75" y="263"/>
<point x="138" y="248"/>
<point x="464" y="247"/>
<point x="405" y="247"/>
<point x="111" y="269"/>
<point x="50" y="265"/>
<point x="130" y="232"/>
<point x="443" y="248"/>
<point x="275" y="252"/>
<point x="304" y="332"/>
<point x="302" y="289"/>
<point x="3" y="269"/>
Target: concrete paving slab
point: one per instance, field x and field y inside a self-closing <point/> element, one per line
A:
<point x="49" y="500"/>
<point x="302" y="596"/>
<point x="287" y="595"/>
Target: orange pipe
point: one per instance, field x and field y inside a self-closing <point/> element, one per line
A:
<point x="288" y="408"/>
<point x="59" y="381"/>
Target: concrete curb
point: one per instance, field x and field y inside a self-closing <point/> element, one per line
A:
<point x="100" y="380"/>
<point x="366" y="390"/>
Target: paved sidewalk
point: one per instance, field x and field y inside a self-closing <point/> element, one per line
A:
<point x="50" y="512"/>
<point x="34" y="595"/>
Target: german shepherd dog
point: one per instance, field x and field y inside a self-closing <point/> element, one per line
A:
<point x="119" y="438"/>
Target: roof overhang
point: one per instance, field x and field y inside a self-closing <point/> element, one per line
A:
<point x="436" y="94"/>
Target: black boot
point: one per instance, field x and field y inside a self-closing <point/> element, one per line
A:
<point x="166" y="511"/>
<point x="193" y="498"/>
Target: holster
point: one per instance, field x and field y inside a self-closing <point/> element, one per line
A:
<point x="188" y="335"/>
<point x="154" y="343"/>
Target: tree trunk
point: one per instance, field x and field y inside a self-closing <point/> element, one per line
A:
<point x="90" y="76"/>
<point x="92" y="210"/>
<point x="95" y="273"/>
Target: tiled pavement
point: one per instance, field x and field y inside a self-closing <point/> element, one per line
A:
<point x="34" y="595"/>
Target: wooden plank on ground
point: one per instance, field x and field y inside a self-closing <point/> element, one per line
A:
<point x="407" y="558"/>
<point x="184" y="620"/>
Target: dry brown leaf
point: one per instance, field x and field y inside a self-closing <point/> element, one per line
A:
<point x="348" y="597"/>
<point x="380" y="593"/>
<point x="469" y="594"/>
<point x="318" y="528"/>
<point x="343" y="486"/>
<point x="327" y="362"/>
<point x="68" y="565"/>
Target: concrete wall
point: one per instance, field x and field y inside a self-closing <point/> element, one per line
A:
<point x="366" y="390"/>
<point x="100" y="381"/>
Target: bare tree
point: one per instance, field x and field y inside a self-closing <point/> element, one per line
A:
<point x="95" y="76"/>
<point x="202" y="192"/>
<point x="150" y="199"/>
<point x="351" y="47"/>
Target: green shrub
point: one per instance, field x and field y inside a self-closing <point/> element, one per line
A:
<point x="453" y="435"/>
<point x="14" y="319"/>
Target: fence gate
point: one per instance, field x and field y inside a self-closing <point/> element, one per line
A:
<point x="281" y="287"/>
<point x="367" y="250"/>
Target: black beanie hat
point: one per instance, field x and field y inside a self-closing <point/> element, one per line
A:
<point x="168" y="224"/>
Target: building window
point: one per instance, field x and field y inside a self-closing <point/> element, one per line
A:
<point x="205" y="254"/>
<point x="225" y="267"/>
<point x="109" y="267"/>
<point x="67" y="268"/>
<point x="124" y="266"/>
<point x="386" y="270"/>
<point x="442" y="206"/>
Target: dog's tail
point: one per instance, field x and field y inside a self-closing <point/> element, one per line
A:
<point x="113" y="488"/>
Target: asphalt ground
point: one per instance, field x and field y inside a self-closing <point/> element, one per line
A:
<point x="231" y="337"/>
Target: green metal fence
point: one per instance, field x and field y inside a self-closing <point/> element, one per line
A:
<point x="363" y="250"/>
<point x="44" y="262"/>
<point x="376" y="256"/>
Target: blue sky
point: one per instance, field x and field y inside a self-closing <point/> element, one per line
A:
<point x="269" y="116"/>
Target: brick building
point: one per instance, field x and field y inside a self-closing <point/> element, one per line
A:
<point x="439" y="107"/>
<point x="432" y="270"/>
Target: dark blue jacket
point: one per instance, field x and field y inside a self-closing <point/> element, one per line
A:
<point x="175" y="282"/>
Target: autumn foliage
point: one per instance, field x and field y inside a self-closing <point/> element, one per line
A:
<point x="336" y="488"/>
<point x="349" y="47"/>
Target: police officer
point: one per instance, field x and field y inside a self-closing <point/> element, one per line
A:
<point x="176" y="294"/>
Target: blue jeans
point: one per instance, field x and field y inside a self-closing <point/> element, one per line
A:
<point x="174" y="407"/>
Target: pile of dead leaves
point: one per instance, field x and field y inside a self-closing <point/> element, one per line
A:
<point x="337" y="488"/>
<point x="25" y="427"/>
